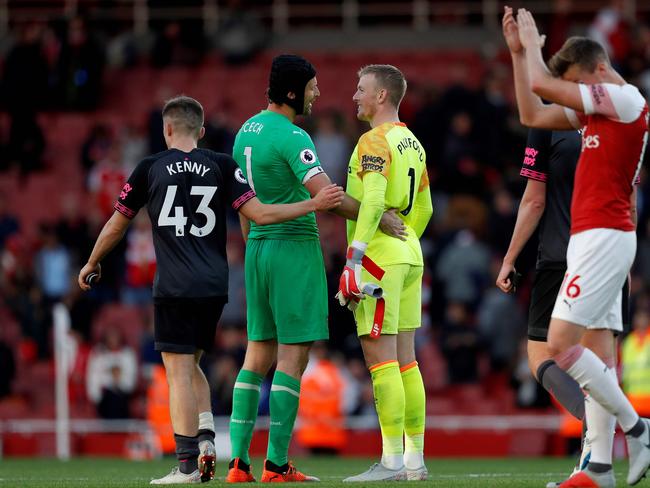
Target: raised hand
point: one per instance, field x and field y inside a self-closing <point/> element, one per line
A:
<point x="511" y="31"/>
<point x="528" y="34"/>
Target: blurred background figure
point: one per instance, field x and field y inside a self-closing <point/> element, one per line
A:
<point x="112" y="375"/>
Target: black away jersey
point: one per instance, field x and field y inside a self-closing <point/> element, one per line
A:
<point x="552" y="157"/>
<point x="186" y="195"/>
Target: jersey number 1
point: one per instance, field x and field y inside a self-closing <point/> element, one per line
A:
<point x="179" y="220"/>
<point x="407" y="210"/>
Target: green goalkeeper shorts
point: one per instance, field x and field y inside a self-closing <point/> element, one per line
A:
<point x="286" y="291"/>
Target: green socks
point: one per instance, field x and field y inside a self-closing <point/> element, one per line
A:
<point x="245" y="400"/>
<point x="285" y="396"/>
<point x="414" y="416"/>
<point x="389" y="400"/>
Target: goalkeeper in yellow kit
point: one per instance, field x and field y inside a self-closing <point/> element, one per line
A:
<point x="388" y="170"/>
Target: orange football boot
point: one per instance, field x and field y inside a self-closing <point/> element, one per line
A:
<point x="237" y="474"/>
<point x="283" y="474"/>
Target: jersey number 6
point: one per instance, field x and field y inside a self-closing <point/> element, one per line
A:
<point x="179" y="220"/>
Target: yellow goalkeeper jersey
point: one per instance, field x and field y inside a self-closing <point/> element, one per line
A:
<point x="392" y="150"/>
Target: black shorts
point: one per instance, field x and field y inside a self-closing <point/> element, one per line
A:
<point x="546" y="286"/>
<point x="183" y="325"/>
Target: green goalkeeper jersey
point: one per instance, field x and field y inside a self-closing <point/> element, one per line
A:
<point x="277" y="158"/>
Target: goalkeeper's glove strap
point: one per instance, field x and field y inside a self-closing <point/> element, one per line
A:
<point x="378" y="319"/>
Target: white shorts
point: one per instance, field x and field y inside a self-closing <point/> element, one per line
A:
<point x="598" y="262"/>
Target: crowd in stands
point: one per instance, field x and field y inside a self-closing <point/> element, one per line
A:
<point x="472" y="334"/>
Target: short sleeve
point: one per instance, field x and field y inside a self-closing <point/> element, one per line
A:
<point x="238" y="190"/>
<point x="135" y="192"/>
<point x="374" y="155"/>
<point x="300" y="152"/>
<point x="534" y="165"/>
<point x="577" y="119"/>
<point x="623" y="103"/>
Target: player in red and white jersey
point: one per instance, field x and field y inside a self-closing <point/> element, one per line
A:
<point x="587" y="93"/>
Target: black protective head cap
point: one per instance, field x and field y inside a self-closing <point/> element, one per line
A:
<point x="290" y="73"/>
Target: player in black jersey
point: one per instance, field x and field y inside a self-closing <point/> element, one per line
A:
<point x="186" y="191"/>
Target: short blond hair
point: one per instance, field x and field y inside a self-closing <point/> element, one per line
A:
<point x="389" y="78"/>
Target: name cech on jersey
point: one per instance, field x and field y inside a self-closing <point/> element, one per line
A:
<point x="187" y="167"/>
<point x="410" y="143"/>
<point x="254" y="127"/>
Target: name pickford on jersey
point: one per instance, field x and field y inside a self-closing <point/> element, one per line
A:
<point x="187" y="166"/>
<point x="410" y="143"/>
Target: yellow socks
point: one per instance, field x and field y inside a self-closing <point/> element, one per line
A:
<point x="414" y="416"/>
<point x="389" y="400"/>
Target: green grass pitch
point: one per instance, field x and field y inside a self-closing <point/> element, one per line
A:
<point x="453" y="473"/>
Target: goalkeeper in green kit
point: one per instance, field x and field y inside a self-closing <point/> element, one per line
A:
<point x="286" y="289"/>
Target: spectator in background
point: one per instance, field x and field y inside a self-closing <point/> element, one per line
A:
<point x="7" y="365"/>
<point x="106" y="180"/>
<point x="461" y="345"/>
<point x="529" y="392"/>
<point x="612" y="31"/>
<point x="112" y="375"/>
<point x="240" y="35"/>
<point x="234" y="313"/>
<point x="8" y="222"/>
<point x="464" y="268"/>
<point x="52" y="266"/>
<point x="501" y="324"/>
<point x="26" y="143"/>
<point x="140" y="263"/>
<point x="81" y="67"/>
<point x="73" y="230"/>
<point x="332" y="145"/>
<point x="134" y="146"/>
<point x="635" y="363"/>
<point x="322" y="401"/>
<point x="96" y="148"/>
<point x="223" y="374"/>
<point x="219" y="135"/>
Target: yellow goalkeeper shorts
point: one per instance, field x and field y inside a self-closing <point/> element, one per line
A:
<point x="402" y="286"/>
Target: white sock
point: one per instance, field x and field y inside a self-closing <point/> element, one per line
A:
<point x="392" y="461"/>
<point x="600" y="433"/>
<point x="413" y="457"/>
<point x="206" y="421"/>
<point x="593" y="376"/>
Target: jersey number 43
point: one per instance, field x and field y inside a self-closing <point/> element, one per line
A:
<point x="179" y="220"/>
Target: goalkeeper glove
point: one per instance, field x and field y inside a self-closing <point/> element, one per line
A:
<point x="351" y="289"/>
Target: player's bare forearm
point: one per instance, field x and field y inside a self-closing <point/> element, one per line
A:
<point x="349" y="208"/>
<point x="528" y="103"/>
<point x="245" y="225"/>
<point x="110" y="235"/>
<point x="528" y="216"/>
<point x="263" y="214"/>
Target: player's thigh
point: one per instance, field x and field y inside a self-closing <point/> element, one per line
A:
<point x="598" y="262"/>
<point x="367" y="315"/>
<point x="546" y="287"/>
<point x="259" y="317"/>
<point x="186" y="325"/>
<point x="410" y="309"/>
<point x="298" y="291"/>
